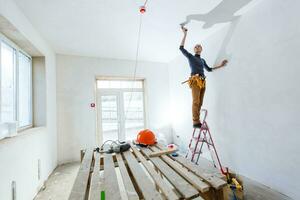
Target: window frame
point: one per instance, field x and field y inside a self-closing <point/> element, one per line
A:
<point x="18" y="50"/>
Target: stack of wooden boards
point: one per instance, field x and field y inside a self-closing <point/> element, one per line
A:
<point x="135" y="175"/>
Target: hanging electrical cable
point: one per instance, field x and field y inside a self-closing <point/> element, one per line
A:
<point x="118" y="145"/>
<point x="142" y="11"/>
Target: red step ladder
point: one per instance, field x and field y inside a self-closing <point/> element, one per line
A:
<point x="200" y="137"/>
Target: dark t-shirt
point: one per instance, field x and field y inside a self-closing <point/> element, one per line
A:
<point x="197" y="64"/>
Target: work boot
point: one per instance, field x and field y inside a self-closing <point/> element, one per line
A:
<point x="198" y="125"/>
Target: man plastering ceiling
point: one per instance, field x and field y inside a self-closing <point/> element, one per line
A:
<point x="197" y="79"/>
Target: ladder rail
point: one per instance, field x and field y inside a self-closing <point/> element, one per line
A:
<point x="206" y="138"/>
<point x="213" y="145"/>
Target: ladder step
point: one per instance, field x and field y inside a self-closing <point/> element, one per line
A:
<point x="202" y="128"/>
<point x="201" y="140"/>
<point x="192" y="150"/>
<point x="196" y="138"/>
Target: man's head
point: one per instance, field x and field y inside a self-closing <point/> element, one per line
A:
<point x="198" y="49"/>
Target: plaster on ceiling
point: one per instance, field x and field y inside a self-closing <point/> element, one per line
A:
<point x="109" y="28"/>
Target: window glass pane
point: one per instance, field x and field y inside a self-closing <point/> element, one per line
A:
<point x="109" y="115"/>
<point x="116" y="84"/>
<point x="7" y="83"/>
<point x="102" y="84"/>
<point x="137" y="84"/>
<point x="24" y="88"/>
<point x="134" y="113"/>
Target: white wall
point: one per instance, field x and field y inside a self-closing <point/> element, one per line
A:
<point x="39" y="91"/>
<point x="19" y="155"/>
<point x="253" y="103"/>
<point x="76" y="90"/>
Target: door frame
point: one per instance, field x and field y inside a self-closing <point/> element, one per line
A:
<point x="99" y="134"/>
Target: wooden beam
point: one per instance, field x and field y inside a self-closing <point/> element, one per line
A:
<point x="144" y="183"/>
<point x="210" y="178"/>
<point x="182" y="186"/>
<point x="166" y="189"/>
<point x="112" y="191"/>
<point x="131" y="193"/>
<point x="79" y="189"/>
<point x="190" y="177"/>
<point x="214" y="181"/>
<point x="95" y="188"/>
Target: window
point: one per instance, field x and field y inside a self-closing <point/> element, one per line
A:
<point x="24" y="89"/>
<point x="122" y="84"/>
<point x="7" y="83"/>
<point x="15" y="89"/>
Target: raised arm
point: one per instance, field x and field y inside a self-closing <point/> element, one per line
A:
<point x="184" y="36"/>
<point x="182" y="49"/>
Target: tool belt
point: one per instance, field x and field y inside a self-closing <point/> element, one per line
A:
<point x="198" y="79"/>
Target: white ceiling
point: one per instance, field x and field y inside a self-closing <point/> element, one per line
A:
<point x="109" y="28"/>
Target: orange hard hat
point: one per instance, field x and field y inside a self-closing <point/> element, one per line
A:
<point x="146" y="137"/>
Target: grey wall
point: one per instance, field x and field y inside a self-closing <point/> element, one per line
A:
<point x="254" y="102"/>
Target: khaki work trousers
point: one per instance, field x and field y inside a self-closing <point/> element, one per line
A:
<point x="198" y="90"/>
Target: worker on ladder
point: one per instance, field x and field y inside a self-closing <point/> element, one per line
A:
<point x="197" y="79"/>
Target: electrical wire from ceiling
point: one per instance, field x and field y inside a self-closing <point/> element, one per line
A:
<point x="138" y="45"/>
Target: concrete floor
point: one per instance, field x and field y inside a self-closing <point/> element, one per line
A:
<point x="60" y="183"/>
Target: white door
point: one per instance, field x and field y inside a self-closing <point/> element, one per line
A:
<point x="133" y="120"/>
<point x="108" y="116"/>
<point x="120" y="114"/>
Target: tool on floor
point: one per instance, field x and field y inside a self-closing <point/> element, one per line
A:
<point x="199" y="138"/>
<point x="235" y="187"/>
<point x="237" y="184"/>
<point x="174" y="154"/>
<point x="115" y="146"/>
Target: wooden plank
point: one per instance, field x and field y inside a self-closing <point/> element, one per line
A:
<point x="87" y="159"/>
<point x="162" y="152"/>
<point x="144" y="183"/>
<point x="112" y="191"/>
<point x="190" y="177"/>
<point x="198" y="198"/>
<point x="214" y="181"/>
<point x="210" y="178"/>
<point x="82" y="152"/>
<point x="95" y="188"/>
<point x="166" y="189"/>
<point x="181" y="185"/>
<point x="79" y="189"/>
<point x="131" y="193"/>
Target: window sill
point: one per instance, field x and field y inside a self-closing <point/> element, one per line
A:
<point x="20" y="130"/>
<point x="23" y="132"/>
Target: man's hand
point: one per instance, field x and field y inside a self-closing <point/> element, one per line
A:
<point x="184" y="29"/>
<point x="224" y="63"/>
